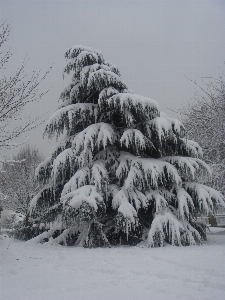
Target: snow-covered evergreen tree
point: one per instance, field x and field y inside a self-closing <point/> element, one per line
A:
<point x="123" y="171"/>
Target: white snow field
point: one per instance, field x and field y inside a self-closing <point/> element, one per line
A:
<point x="43" y="272"/>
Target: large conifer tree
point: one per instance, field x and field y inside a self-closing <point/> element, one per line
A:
<point x="123" y="172"/>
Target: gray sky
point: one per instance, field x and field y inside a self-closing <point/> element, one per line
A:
<point x="156" y="45"/>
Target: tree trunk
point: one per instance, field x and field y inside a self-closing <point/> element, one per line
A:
<point x="27" y="219"/>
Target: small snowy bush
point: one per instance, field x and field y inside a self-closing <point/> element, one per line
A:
<point x="14" y="218"/>
<point x="123" y="171"/>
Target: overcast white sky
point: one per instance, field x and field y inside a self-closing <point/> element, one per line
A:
<point x="156" y="45"/>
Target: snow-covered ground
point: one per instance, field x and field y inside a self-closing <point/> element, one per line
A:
<point x="42" y="272"/>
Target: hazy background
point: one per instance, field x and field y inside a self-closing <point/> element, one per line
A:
<point x="156" y="45"/>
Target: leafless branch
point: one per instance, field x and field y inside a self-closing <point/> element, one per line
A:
<point x="16" y="91"/>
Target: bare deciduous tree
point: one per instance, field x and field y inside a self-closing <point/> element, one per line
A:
<point x="204" y="120"/>
<point x="16" y="91"/>
<point x="17" y="182"/>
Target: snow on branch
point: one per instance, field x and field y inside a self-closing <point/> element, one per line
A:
<point x="43" y="171"/>
<point x="96" y="175"/>
<point x="134" y="137"/>
<point x="184" y="202"/>
<point x="126" y="218"/>
<point x="86" y="58"/>
<point x="99" y="175"/>
<point x="192" y="235"/>
<point x="73" y="52"/>
<point x="204" y="197"/>
<point x="94" y="136"/>
<point x="65" y="95"/>
<point x="64" y="160"/>
<point x="136" y="105"/>
<point x="38" y="204"/>
<point x="81" y="178"/>
<point x="77" y="94"/>
<point x="79" y="57"/>
<point x="110" y="156"/>
<point x="149" y="173"/>
<point x="62" y="145"/>
<point x="85" y="194"/>
<point x="183" y="164"/>
<point x="71" y="118"/>
<point x="169" y="196"/>
<point x="205" y="169"/>
<point x="86" y="72"/>
<point x="102" y="79"/>
<point x="161" y="127"/>
<point x="165" y="227"/>
<point x="177" y="127"/>
<point x="110" y="67"/>
<point x="46" y="235"/>
<point x="192" y="148"/>
<point x="121" y="202"/>
<point x="106" y="93"/>
<point x="187" y="166"/>
<point x="81" y="92"/>
<point x="34" y="201"/>
<point x="160" y="202"/>
<point x="137" y="198"/>
<point x="125" y="161"/>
